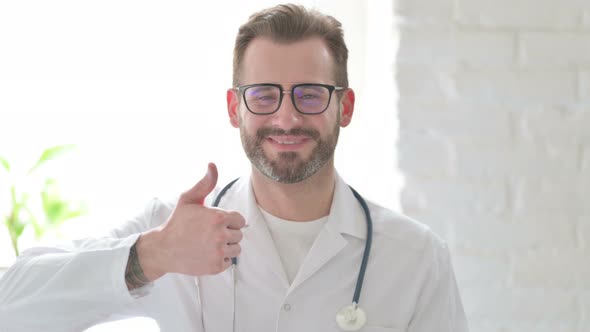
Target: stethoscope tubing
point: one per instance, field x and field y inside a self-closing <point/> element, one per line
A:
<point x="368" y="242"/>
<point x="366" y="252"/>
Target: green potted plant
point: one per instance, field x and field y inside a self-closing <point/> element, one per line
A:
<point x="35" y="199"/>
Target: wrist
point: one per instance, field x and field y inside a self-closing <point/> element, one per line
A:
<point x="149" y="254"/>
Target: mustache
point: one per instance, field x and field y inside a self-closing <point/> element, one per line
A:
<point x="272" y="131"/>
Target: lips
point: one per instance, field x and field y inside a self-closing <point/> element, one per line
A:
<point x="288" y="140"/>
<point x="294" y="134"/>
<point x="287" y="143"/>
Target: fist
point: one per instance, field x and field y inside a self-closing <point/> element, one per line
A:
<point x="198" y="240"/>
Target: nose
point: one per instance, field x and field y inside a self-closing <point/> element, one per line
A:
<point x="287" y="116"/>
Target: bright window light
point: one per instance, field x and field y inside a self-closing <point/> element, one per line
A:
<point x="139" y="87"/>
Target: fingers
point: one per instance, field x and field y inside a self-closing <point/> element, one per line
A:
<point x="220" y="266"/>
<point x="235" y="220"/>
<point x="234" y="236"/>
<point x="226" y="262"/>
<point x="228" y="247"/>
<point x="232" y="247"/>
<point x="232" y="250"/>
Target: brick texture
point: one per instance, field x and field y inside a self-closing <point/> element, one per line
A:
<point x="539" y="14"/>
<point x="584" y="82"/>
<point x="554" y="48"/>
<point x="494" y="145"/>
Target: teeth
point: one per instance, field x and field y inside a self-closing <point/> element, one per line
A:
<point x="287" y="140"/>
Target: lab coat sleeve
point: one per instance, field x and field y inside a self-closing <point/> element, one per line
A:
<point x="72" y="287"/>
<point x="439" y="306"/>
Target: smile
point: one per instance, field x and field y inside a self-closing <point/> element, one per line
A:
<point x="288" y="140"/>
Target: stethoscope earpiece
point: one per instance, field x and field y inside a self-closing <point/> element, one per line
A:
<point x="351" y="318"/>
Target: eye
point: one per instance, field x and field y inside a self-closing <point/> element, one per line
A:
<point x="262" y="95"/>
<point x="266" y="97"/>
<point x="309" y="92"/>
<point x="309" y="96"/>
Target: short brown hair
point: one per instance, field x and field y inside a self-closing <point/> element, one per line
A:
<point x="290" y="23"/>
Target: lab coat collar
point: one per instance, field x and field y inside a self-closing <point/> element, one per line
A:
<point x="346" y="213"/>
<point x="263" y="245"/>
<point x="346" y="217"/>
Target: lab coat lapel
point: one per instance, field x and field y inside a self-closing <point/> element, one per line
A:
<point x="258" y="245"/>
<point x="327" y="245"/>
<point x="346" y="216"/>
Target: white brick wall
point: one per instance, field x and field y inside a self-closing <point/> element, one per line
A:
<point x="554" y="48"/>
<point x="522" y="14"/>
<point x="584" y="81"/>
<point x="494" y="145"/>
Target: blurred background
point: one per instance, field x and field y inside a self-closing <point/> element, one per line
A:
<point x="473" y="116"/>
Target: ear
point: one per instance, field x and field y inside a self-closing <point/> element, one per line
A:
<point x="347" y="107"/>
<point x="233" y="104"/>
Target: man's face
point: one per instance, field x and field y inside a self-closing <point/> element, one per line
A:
<point x="288" y="146"/>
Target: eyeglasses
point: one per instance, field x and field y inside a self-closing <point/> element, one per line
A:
<point x="308" y="98"/>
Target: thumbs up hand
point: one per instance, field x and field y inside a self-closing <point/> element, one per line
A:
<point x="198" y="193"/>
<point x="196" y="240"/>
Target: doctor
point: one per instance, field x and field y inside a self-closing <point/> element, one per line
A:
<point x="296" y="230"/>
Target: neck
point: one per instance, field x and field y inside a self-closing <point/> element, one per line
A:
<point x="307" y="200"/>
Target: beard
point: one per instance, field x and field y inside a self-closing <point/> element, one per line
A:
<point x="289" y="166"/>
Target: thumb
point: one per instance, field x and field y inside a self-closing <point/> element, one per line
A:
<point x="197" y="194"/>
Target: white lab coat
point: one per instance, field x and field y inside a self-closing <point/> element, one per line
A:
<point x="409" y="283"/>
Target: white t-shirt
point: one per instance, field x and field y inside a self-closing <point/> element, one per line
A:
<point x="293" y="239"/>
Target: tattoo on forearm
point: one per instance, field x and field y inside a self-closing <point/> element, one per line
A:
<point x="134" y="276"/>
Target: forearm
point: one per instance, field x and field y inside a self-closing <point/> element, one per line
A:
<point x="134" y="275"/>
<point x="40" y="291"/>
<point x="145" y="263"/>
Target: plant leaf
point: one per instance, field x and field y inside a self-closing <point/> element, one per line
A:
<point x="5" y="163"/>
<point x="39" y="230"/>
<point x="71" y="212"/>
<point x="57" y="210"/>
<point x="19" y="228"/>
<point x="52" y="153"/>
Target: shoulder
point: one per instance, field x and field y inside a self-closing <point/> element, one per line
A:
<point x="159" y="209"/>
<point x="400" y="237"/>
<point x="403" y="230"/>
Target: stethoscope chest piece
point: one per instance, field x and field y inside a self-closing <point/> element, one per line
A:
<point x="351" y="318"/>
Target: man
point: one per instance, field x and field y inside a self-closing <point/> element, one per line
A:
<point x="298" y="261"/>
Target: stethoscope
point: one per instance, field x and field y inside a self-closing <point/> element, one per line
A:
<point x="350" y="317"/>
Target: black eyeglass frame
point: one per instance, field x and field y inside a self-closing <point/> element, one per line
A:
<point x="331" y="88"/>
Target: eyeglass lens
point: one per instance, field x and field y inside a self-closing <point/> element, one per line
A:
<point x="308" y="98"/>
